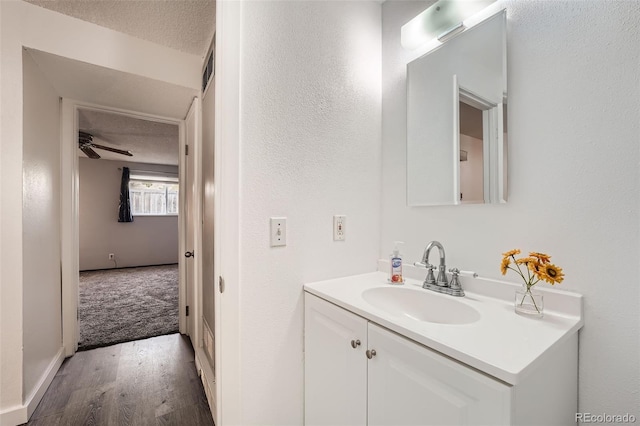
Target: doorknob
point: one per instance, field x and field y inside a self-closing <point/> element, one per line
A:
<point x="189" y="254"/>
<point x="355" y="343"/>
<point x="370" y="353"/>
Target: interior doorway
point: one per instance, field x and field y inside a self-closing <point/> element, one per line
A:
<point x="71" y="238"/>
<point x="128" y="227"/>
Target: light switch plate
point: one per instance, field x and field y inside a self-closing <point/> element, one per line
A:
<point x="339" y="227"/>
<point x="278" y="231"/>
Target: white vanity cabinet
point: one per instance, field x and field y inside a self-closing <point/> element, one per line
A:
<point x="409" y="384"/>
<point x="404" y="383"/>
<point x="335" y="342"/>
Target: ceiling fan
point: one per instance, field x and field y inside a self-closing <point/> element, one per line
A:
<point x="85" y="140"/>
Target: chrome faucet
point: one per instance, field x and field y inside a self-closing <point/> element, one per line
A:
<point x="442" y="276"/>
<point x="441" y="285"/>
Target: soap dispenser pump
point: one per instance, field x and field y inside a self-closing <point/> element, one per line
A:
<point x="395" y="276"/>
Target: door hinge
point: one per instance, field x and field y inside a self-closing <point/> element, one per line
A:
<point x="187" y="310"/>
<point x="221" y="284"/>
<point x="186" y="150"/>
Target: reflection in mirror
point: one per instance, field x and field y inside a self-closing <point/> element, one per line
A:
<point x="471" y="154"/>
<point x="456" y="104"/>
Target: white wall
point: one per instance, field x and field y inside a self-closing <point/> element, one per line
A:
<point x="309" y="149"/>
<point x="11" y="322"/>
<point x="574" y="126"/>
<point x="148" y="240"/>
<point x="23" y="24"/>
<point x="42" y="332"/>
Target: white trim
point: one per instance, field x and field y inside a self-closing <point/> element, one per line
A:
<point x="227" y="212"/>
<point x="69" y="233"/>
<point x="36" y="395"/>
<point x="198" y="228"/>
<point x="21" y="413"/>
<point x="206" y="373"/>
<point x="456" y="140"/>
<point x="195" y="313"/>
<point x="16" y="415"/>
<point x="155" y="215"/>
<point x="182" y="226"/>
<point x="491" y="141"/>
<point x="127" y="112"/>
<point x="70" y="214"/>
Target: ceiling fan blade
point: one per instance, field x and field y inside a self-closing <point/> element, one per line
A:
<point x="118" y="151"/>
<point x="89" y="152"/>
<point x="85" y="137"/>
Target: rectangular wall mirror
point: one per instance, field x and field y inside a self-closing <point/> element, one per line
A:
<point x="456" y="119"/>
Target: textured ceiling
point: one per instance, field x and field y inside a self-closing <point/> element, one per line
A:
<point x="185" y="25"/>
<point x="149" y="141"/>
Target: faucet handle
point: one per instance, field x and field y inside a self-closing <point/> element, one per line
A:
<point x="468" y="274"/>
<point x="455" y="286"/>
<point x="430" y="278"/>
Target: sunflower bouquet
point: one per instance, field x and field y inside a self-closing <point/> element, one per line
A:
<point x="537" y="267"/>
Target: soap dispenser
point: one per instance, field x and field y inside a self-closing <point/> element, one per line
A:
<point x="395" y="276"/>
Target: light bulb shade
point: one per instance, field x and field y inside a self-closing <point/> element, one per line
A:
<point x="438" y="19"/>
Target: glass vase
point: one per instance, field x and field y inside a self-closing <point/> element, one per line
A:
<point x="529" y="303"/>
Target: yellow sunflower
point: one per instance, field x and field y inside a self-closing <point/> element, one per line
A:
<point x="542" y="258"/>
<point x="506" y="261"/>
<point x="538" y="270"/>
<point x="511" y="253"/>
<point x="552" y="273"/>
<point x="526" y="260"/>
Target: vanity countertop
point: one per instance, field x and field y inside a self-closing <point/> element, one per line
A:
<point x="501" y="343"/>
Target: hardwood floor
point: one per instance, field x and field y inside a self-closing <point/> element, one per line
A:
<point x="144" y="382"/>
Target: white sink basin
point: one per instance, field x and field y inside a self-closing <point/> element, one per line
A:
<point x="421" y="305"/>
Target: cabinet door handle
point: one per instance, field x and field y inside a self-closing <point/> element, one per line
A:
<point x="371" y="353"/>
<point x="355" y="343"/>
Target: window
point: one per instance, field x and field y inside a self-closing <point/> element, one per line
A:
<point x="152" y="196"/>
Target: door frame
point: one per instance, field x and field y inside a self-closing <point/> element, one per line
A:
<point x="70" y="246"/>
<point x="227" y="212"/>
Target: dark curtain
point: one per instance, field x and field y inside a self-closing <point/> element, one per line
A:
<point x="124" y="212"/>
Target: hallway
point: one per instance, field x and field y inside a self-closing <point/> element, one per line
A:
<point x="144" y="382"/>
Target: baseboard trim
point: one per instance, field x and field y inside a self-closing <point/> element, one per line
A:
<point x="127" y="267"/>
<point x="36" y="395"/>
<point x="14" y="416"/>
<point x="208" y="381"/>
<point x="20" y="414"/>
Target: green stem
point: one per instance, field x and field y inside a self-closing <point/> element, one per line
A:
<point x="528" y="279"/>
<point x="532" y="299"/>
<point x="519" y="271"/>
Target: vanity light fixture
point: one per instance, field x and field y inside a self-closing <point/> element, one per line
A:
<point x="442" y="20"/>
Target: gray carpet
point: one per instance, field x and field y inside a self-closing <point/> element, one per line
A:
<point x="120" y="305"/>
